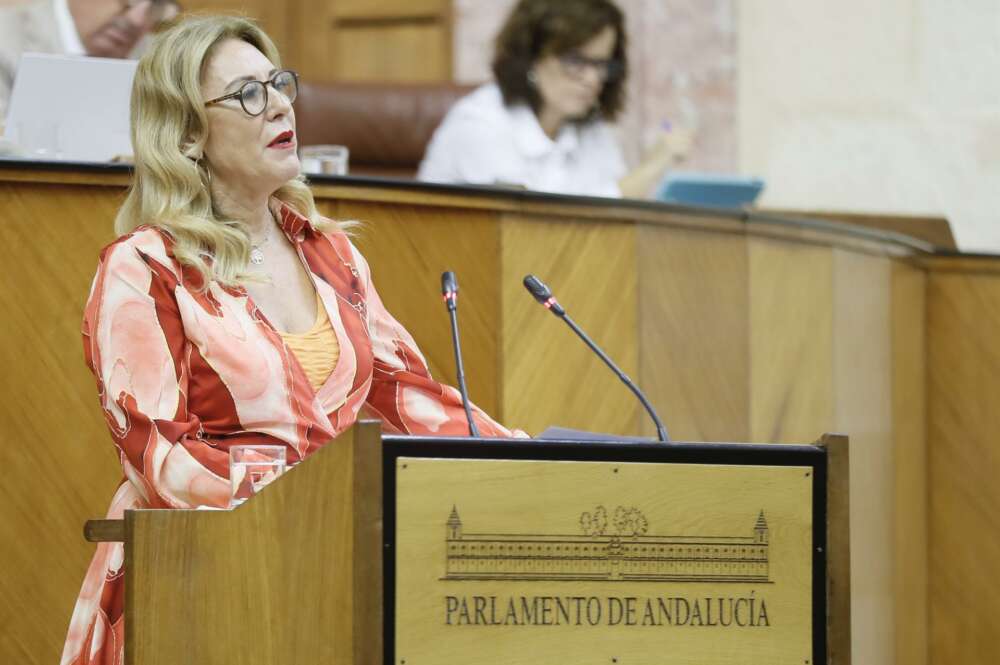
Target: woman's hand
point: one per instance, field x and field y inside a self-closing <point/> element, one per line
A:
<point x="673" y="145"/>
<point x="671" y="148"/>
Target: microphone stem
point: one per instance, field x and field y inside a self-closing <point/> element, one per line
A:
<point x="460" y="370"/>
<point x="661" y="431"/>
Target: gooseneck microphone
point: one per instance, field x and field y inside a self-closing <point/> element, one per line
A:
<point x="449" y="289"/>
<point x="544" y="296"/>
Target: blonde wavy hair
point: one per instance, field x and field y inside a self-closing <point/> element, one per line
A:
<point x="170" y="186"/>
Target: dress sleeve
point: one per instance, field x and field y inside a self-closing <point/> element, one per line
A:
<point x="403" y="393"/>
<point x="134" y="344"/>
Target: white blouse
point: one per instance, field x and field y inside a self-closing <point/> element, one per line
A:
<point x="484" y="142"/>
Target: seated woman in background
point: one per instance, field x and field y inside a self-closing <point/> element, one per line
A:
<point x="229" y="312"/>
<point x="560" y="70"/>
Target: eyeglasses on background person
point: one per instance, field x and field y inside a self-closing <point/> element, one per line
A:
<point x="576" y="65"/>
<point x="253" y="94"/>
<point x="159" y="10"/>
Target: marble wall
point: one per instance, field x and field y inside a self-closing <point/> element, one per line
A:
<point x="890" y="106"/>
<point x="683" y="56"/>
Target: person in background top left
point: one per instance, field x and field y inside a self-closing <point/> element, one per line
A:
<point x="98" y="28"/>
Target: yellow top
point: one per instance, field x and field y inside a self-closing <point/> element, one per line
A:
<point x="317" y="349"/>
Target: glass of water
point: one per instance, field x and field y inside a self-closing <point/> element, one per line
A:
<point x="251" y="468"/>
<point x="325" y="159"/>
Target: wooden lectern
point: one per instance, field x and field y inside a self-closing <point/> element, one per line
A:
<point x="414" y="550"/>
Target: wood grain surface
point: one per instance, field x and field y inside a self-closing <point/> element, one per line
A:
<point x="838" y="562"/>
<point x="370" y="41"/>
<point x="694" y="320"/>
<point x="963" y="366"/>
<point x="910" y="484"/>
<point x="60" y="468"/>
<point x="547" y="375"/>
<point x="276" y="580"/>
<point x="936" y="230"/>
<point x="791" y="346"/>
<point x="388" y="40"/>
<point x="736" y="332"/>
<point x="862" y="384"/>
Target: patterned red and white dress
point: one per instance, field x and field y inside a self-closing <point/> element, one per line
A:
<point x="184" y="374"/>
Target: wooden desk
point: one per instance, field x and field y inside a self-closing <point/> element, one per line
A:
<point x="935" y="230"/>
<point x="738" y="326"/>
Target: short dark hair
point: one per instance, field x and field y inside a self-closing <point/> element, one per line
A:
<point x="538" y="28"/>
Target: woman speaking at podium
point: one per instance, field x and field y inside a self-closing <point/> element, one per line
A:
<point x="229" y="311"/>
<point x="560" y="69"/>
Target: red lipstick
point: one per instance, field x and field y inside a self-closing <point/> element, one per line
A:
<point x="283" y="140"/>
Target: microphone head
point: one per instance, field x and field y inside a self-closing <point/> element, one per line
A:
<point x="543" y="295"/>
<point x="449" y="289"/>
<point x="537" y="288"/>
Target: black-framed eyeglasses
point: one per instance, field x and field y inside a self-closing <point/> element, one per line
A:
<point x="253" y="94"/>
<point x="576" y="65"/>
<point x="159" y="10"/>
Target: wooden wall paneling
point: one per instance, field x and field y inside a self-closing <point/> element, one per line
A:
<point x="247" y="7"/>
<point x="373" y="41"/>
<point x="274" y="17"/>
<point x="694" y="318"/>
<point x="408" y="248"/>
<point x="310" y="27"/>
<point x="909" y="433"/>
<point x="60" y="466"/>
<point x="549" y="377"/>
<point x="791" y="319"/>
<point x="963" y="312"/>
<point x="862" y="373"/>
<point x="800" y="373"/>
<point x="389" y="9"/>
<point x="393" y="40"/>
<point x="277" y="18"/>
<point x="404" y="50"/>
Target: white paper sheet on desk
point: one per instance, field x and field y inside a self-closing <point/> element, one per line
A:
<point x="71" y="108"/>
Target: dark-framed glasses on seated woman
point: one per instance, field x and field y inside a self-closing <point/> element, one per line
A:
<point x="159" y="10"/>
<point x="576" y="64"/>
<point x="253" y="94"/>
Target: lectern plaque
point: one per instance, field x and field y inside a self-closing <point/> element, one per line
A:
<point x="542" y="562"/>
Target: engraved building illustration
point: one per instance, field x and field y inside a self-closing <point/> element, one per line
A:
<point x="614" y="547"/>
